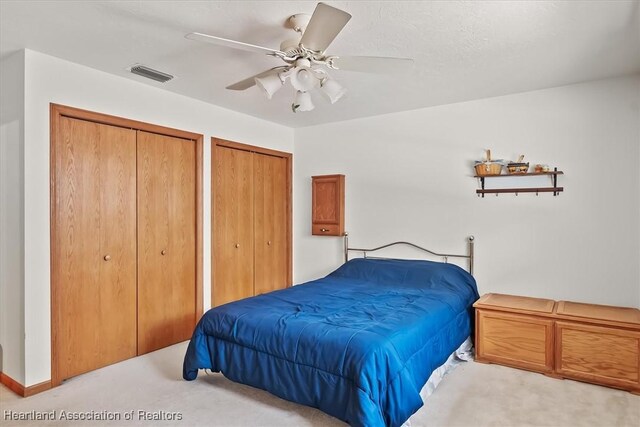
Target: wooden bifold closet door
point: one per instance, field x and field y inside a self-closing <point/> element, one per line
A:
<point x="125" y="219"/>
<point x="270" y="227"/>
<point x="166" y="240"/>
<point x="95" y="266"/>
<point x="251" y="220"/>
<point x="232" y="225"/>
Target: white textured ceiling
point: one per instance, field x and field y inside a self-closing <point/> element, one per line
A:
<point x="463" y="50"/>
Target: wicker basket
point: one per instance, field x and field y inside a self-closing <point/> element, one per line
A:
<point x="488" y="168"/>
<point x="515" y="168"/>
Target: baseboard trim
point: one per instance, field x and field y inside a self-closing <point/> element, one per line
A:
<point x="37" y="388"/>
<point x="21" y="390"/>
<point x="12" y="384"/>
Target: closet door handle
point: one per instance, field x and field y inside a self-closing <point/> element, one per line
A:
<point x="163" y="252"/>
<point x="107" y="257"/>
<point x="269" y="243"/>
<point x="237" y="245"/>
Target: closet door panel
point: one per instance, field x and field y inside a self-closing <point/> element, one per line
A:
<point x="270" y="189"/>
<point x="94" y="248"/>
<point x="232" y="225"/>
<point x="166" y="240"/>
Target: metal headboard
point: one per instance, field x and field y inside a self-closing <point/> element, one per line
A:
<point x="445" y="257"/>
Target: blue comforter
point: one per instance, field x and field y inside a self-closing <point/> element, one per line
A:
<point x="358" y="344"/>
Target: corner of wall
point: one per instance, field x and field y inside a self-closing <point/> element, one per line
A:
<point x="12" y="347"/>
<point x="637" y="109"/>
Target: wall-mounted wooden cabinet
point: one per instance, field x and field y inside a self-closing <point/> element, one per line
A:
<point x="327" y="211"/>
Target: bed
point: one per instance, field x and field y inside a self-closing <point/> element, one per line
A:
<point x="359" y="344"/>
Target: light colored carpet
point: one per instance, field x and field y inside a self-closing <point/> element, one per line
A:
<point x="472" y="395"/>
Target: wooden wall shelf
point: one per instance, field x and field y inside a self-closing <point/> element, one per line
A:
<point x="552" y="189"/>
<point x="522" y="190"/>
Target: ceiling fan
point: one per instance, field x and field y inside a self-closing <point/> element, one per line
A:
<point x="305" y="58"/>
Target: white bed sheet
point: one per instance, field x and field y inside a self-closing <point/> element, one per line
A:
<point x="464" y="353"/>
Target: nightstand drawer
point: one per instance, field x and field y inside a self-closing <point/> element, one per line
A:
<point x="517" y="340"/>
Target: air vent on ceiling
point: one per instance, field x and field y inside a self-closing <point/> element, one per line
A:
<point x="150" y="73"/>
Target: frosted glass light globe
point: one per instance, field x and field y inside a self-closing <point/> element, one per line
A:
<point x="302" y="102"/>
<point x="303" y="79"/>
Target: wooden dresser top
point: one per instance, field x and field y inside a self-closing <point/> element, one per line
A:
<point x="516" y="304"/>
<point x="600" y="312"/>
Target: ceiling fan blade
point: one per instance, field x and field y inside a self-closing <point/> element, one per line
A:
<point x="251" y="81"/>
<point x="371" y="64"/>
<point x="232" y="43"/>
<point x="325" y="24"/>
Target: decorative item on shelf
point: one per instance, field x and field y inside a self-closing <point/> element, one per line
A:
<point x="488" y="167"/>
<point x="541" y="168"/>
<point x="518" y="167"/>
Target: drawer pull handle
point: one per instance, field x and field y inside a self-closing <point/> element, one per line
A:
<point x="163" y="252"/>
<point x="107" y="257"/>
<point x="237" y="245"/>
<point x="324" y="230"/>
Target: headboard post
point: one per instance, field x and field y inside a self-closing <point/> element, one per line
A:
<point x="471" y="239"/>
<point x="346" y="246"/>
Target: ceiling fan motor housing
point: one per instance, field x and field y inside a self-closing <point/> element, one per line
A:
<point x="290" y="46"/>
<point x="299" y="22"/>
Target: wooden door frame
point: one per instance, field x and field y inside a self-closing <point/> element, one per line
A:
<point x="288" y="210"/>
<point x="57" y="112"/>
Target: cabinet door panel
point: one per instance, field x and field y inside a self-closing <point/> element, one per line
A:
<point x="598" y="354"/>
<point x="515" y="340"/>
<point x="233" y="238"/>
<point x="327" y="210"/>
<point x="94" y="267"/>
<point x="270" y="188"/>
<point x="166" y="239"/>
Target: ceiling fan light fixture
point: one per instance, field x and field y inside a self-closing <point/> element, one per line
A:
<point x="303" y="79"/>
<point x="270" y="84"/>
<point x="305" y="58"/>
<point x="302" y="102"/>
<point x="332" y="89"/>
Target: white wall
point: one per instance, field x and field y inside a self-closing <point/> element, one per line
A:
<point x="51" y="80"/>
<point x="11" y="216"/>
<point x="408" y="177"/>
